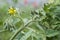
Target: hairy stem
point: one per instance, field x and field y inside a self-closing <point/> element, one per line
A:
<point x="21" y="28"/>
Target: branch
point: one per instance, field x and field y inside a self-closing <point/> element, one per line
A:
<point x="21" y="28"/>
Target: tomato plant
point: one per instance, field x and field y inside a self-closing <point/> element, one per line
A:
<point x="28" y="23"/>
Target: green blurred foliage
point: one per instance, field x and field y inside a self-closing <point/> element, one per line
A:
<point x="46" y="25"/>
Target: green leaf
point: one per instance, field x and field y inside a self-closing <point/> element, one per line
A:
<point x="27" y="35"/>
<point x="52" y="33"/>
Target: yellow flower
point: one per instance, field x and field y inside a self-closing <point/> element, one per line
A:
<point x="12" y="11"/>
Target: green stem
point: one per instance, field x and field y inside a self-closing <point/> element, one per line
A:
<point x="20" y="18"/>
<point x="21" y="28"/>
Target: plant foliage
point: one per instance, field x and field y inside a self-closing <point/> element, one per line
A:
<point x="27" y="24"/>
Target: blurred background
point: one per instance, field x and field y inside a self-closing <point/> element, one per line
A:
<point x="22" y="3"/>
